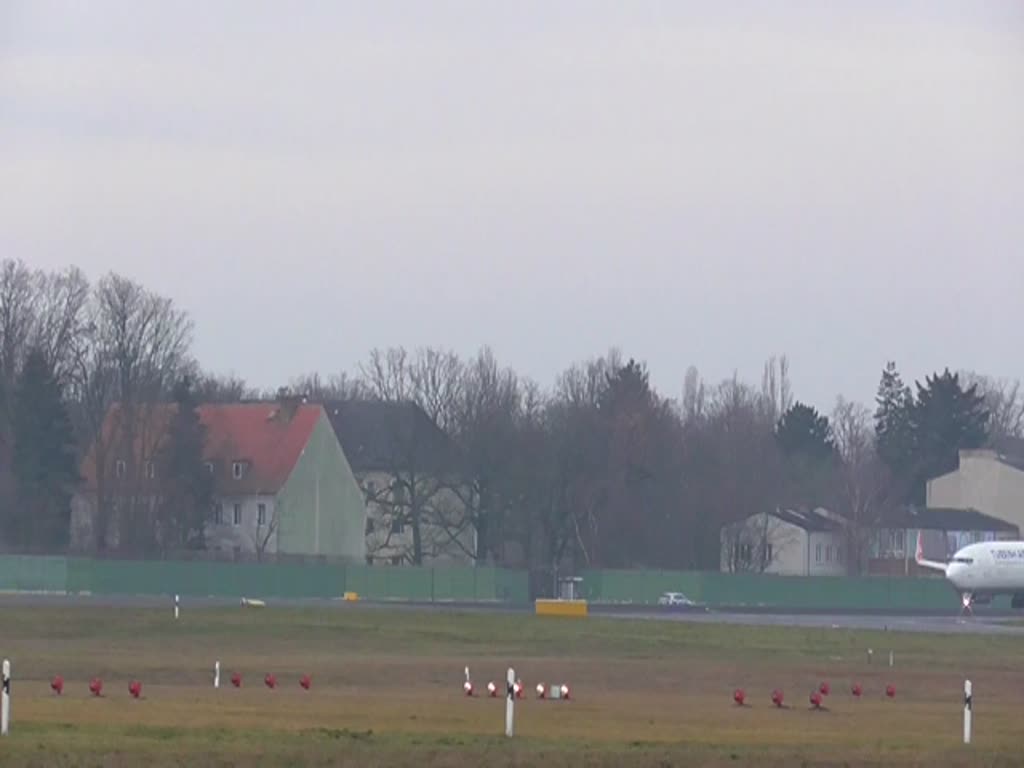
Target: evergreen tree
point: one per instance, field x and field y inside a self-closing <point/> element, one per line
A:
<point x="803" y="438"/>
<point x="44" y="462"/>
<point x="804" y="431"/>
<point x="945" y="419"/>
<point x="894" y="439"/>
<point x="187" y="486"/>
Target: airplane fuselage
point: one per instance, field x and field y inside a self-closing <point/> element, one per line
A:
<point x="987" y="569"/>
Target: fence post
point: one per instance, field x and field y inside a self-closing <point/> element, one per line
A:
<point x="5" y="699"/>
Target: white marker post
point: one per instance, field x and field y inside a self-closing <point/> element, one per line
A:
<point x="968" y="695"/>
<point x="892" y="659"/>
<point x="175" y="606"/>
<point x="5" y="700"/>
<point x="216" y="674"/>
<point x="510" y="702"/>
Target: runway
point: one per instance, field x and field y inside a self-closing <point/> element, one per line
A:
<point x="935" y="624"/>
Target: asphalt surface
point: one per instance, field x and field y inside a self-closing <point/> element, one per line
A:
<point x="947" y="623"/>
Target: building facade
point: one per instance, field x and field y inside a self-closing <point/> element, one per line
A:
<point x="418" y="508"/>
<point x="787" y="543"/>
<point x="282" y="484"/>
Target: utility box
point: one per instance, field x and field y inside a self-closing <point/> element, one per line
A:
<point x="570" y="588"/>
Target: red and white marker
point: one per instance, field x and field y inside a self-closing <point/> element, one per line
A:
<point x="236" y="680"/>
<point x="492" y="690"/>
<point x="305" y="681"/>
<point x="96" y="687"/>
<point x="856" y="690"/>
<point x="135" y="689"/>
<point x="777" y="697"/>
<point x="823" y="689"/>
<point x="890" y="691"/>
<point x="270" y="681"/>
<point x="541" y="691"/>
<point x="739" y="696"/>
<point x="57" y="685"/>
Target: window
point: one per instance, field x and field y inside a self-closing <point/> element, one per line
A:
<point x="236" y="470"/>
<point x="828" y="554"/>
<point x="369" y="526"/>
<point x="209" y="467"/>
<point x="238" y="514"/>
<point x="261" y="514"/>
<point x="218" y="513"/>
<point x="768" y="554"/>
<point x="150" y="470"/>
<point x="120" y="468"/>
<point x="839" y="554"/>
<point x="370" y="489"/>
<point x="396" y="560"/>
<point x="397" y="526"/>
<point x="817" y="552"/>
<point x="899" y="541"/>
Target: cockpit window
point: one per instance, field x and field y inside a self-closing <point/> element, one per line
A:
<point x="964" y="560"/>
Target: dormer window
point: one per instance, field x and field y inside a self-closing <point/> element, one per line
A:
<point x="150" y="470"/>
<point x="120" y="468"/>
<point x="236" y="470"/>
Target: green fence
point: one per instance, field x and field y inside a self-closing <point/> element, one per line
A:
<point x="212" y="579"/>
<point x="465" y="584"/>
<point x="783" y="592"/>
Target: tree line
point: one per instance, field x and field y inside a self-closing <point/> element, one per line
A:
<point x="599" y="469"/>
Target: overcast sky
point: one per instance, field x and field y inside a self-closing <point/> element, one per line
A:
<point x="693" y="184"/>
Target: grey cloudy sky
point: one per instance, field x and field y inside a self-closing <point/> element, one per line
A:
<point x="694" y="183"/>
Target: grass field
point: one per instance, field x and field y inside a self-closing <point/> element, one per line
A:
<point x="387" y="691"/>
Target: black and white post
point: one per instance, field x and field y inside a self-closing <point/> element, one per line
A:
<point x="968" y="695"/>
<point x="5" y="700"/>
<point x="510" y="702"/>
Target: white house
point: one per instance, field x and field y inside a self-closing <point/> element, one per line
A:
<point x="786" y="542"/>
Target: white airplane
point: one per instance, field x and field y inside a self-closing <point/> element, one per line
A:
<point x="981" y="571"/>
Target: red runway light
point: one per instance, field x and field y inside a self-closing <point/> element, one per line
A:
<point x="739" y="696"/>
<point x="890" y="691"/>
<point x="57" y="685"/>
<point x="270" y="681"/>
<point x="856" y="690"/>
<point x="777" y="697"/>
<point x="306" y="682"/>
<point x="135" y="689"/>
<point x="96" y="686"/>
<point x="816" y="700"/>
<point x="824" y="689"/>
<point x="236" y="680"/>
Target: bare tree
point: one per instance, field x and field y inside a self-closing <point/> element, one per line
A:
<point x="341" y="386"/>
<point x="211" y="388"/>
<point x="776" y="392"/>
<point x="264" y="533"/>
<point x="62" y="320"/>
<point x="1004" y="401"/>
<point x="19" y="303"/>
<point x="864" y="485"/>
<point x="387" y="375"/>
<point x="137" y="346"/>
<point x="694" y="396"/>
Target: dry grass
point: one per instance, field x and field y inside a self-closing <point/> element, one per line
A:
<point x="387" y="691"/>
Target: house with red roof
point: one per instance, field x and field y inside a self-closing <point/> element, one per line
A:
<point x="282" y="482"/>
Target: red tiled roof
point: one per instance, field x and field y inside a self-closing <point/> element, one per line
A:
<point x="259" y="434"/>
